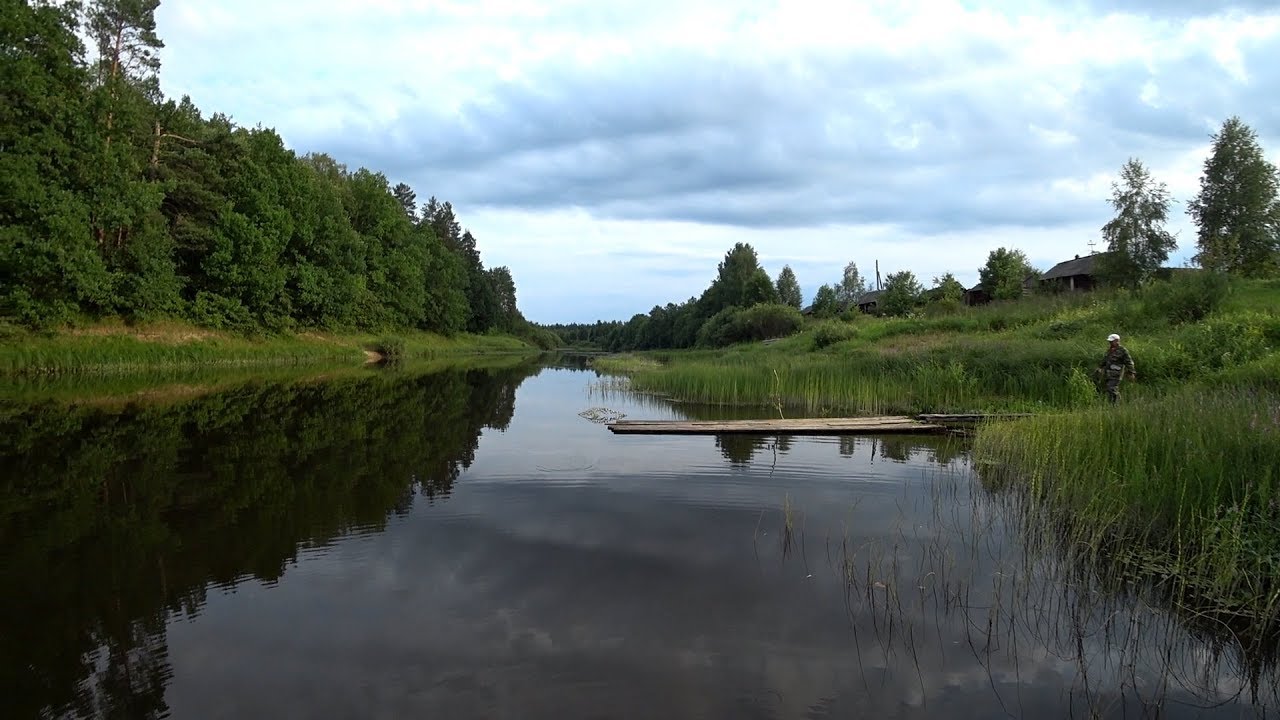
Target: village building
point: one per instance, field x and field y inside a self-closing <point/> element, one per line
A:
<point x="1078" y="274"/>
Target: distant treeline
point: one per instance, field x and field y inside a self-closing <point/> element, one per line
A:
<point x="742" y="303"/>
<point x="115" y="201"/>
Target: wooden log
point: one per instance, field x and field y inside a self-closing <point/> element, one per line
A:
<point x="794" y="426"/>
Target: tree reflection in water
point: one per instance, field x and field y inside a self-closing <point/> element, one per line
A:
<point x="112" y="520"/>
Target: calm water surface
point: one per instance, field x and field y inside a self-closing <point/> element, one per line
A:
<point x="464" y="544"/>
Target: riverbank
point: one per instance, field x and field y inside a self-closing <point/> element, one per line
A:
<point x="1035" y="354"/>
<point x="115" y="347"/>
<point x="1177" y="488"/>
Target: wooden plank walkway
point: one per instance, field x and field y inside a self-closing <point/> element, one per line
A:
<point x="799" y="426"/>
<point x="969" y="417"/>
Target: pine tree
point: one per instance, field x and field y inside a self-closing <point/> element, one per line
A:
<point x="408" y="200"/>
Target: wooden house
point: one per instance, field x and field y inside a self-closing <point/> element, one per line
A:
<point x="869" y="300"/>
<point x="1077" y="274"/>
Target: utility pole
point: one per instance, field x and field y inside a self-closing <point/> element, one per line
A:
<point x="877" y="274"/>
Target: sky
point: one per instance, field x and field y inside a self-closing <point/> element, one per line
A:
<point x="611" y="152"/>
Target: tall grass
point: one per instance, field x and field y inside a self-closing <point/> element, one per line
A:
<point x="125" y="354"/>
<point x="960" y="379"/>
<point x="1183" y="489"/>
<point x="123" y="349"/>
<point x="162" y="386"/>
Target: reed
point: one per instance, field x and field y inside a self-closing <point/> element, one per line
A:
<point x="867" y="382"/>
<point x="1184" y="490"/>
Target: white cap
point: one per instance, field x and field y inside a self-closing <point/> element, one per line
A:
<point x="1112" y="337"/>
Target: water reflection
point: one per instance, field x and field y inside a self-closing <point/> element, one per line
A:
<point x="466" y="545"/>
<point x="112" y="519"/>
<point x="742" y="449"/>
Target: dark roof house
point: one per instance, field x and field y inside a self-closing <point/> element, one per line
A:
<point x="867" y="303"/>
<point x="1080" y="273"/>
<point x="977" y="295"/>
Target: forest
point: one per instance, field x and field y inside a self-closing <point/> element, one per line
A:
<point x="117" y="202"/>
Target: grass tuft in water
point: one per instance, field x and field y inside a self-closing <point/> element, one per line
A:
<point x="1183" y="491"/>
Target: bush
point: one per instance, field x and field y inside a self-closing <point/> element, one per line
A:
<point x="1059" y="329"/>
<point x="1228" y="342"/>
<point x="1188" y="297"/>
<point x="759" y="322"/>
<point x="391" y="348"/>
<point x="540" y="338"/>
<point x="765" y="321"/>
<point x="718" y="328"/>
<point x="830" y="333"/>
<point x="221" y="313"/>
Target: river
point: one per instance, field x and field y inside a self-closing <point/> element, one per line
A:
<point x="473" y="543"/>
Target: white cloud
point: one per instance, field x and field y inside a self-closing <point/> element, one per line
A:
<point x="616" y="150"/>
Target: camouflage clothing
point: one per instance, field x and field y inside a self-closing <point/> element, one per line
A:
<point x="1113" y="367"/>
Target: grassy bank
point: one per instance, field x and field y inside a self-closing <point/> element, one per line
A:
<point x="120" y="348"/>
<point x="164" y="386"/>
<point x="1033" y="354"/>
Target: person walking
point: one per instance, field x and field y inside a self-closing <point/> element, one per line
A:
<point x="1114" y="365"/>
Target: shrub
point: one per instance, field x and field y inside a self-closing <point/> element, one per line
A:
<point x="1059" y="329"/>
<point x="830" y="333"/>
<point x="391" y="348"/>
<point x="761" y="322"/>
<point x="758" y="322"/>
<point x="541" y="338"/>
<point x="1188" y="297"/>
<point x="718" y="329"/>
<point x="220" y="313"/>
<point x="1227" y="342"/>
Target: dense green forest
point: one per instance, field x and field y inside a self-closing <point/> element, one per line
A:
<point x="118" y="202"/>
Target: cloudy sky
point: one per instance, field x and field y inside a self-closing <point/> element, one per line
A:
<point x="611" y="151"/>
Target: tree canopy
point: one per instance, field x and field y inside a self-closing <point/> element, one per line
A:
<point x="788" y="288"/>
<point x="1005" y="272"/>
<point x="947" y="291"/>
<point x="1136" y="237"/>
<point x="1237" y="212"/>
<point x="901" y="293"/>
<point x="851" y="286"/>
<point x="117" y="201"/>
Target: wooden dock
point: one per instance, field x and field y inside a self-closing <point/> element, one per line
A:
<point x="798" y="426"/>
<point x="874" y="425"/>
<point x="969" y="417"/>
